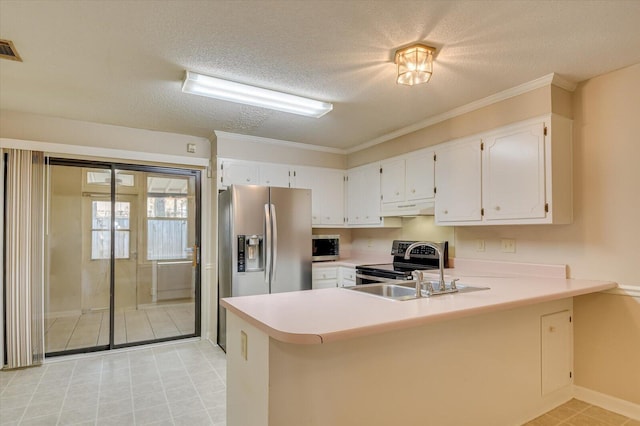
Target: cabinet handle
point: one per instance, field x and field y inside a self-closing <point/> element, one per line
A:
<point x="397" y="193"/>
<point x="497" y="208"/>
<point x="248" y="180"/>
<point x="413" y="191"/>
<point x="446" y="212"/>
<point x="406" y="205"/>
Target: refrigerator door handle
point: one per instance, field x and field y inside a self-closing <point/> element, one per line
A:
<point x="274" y="246"/>
<point x="267" y="244"/>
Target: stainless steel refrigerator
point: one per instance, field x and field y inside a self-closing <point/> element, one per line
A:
<point x="264" y="243"/>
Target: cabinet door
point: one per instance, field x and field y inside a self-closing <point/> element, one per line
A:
<point x="557" y="351"/>
<point x="392" y="181"/>
<point x="458" y="182"/>
<point x="238" y="173"/>
<point x="327" y="193"/>
<point x="331" y="190"/>
<point x="419" y="176"/>
<point x="274" y="175"/>
<point x="363" y="191"/>
<point x="307" y="178"/>
<point x="513" y="182"/>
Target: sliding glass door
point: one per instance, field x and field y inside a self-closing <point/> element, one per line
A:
<point x="123" y="265"/>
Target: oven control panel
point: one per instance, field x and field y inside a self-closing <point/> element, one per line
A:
<point x="399" y="248"/>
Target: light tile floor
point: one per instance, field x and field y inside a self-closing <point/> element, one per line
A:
<point x="579" y="413"/>
<point x="174" y="384"/>
<point x="92" y="329"/>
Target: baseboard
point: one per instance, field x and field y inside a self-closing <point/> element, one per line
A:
<point x="611" y="403"/>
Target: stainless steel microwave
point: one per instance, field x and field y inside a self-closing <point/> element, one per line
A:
<point x="325" y="247"/>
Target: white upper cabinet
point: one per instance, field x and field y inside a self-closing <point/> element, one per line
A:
<point x="392" y="180"/>
<point x="458" y="182"/>
<point x="363" y="195"/>
<point x="274" y="175"/>
<point x="518" y="174"/>
<point x="236" y="172"/>
<point x="240" y="172"/>
<point x="513" y="182"/>
<point x="407" y="184"/>
<point x="420" y="176"/>
<point x="327" y="194"/>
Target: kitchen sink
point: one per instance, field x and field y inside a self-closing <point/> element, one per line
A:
<point x="406" y="290"/>
<point x="389" y="291"/>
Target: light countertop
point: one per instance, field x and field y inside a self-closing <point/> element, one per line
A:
<point x="326" y="315"/>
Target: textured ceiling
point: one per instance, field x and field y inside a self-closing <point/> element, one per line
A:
<point x="122" y="62"/>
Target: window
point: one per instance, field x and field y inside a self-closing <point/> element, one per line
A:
<point x="101" y="230"/>
<point x="167" y="227"/>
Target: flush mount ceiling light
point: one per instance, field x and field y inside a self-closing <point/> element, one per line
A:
<point x="204" y="85"/>
<point x="415" y="64"/>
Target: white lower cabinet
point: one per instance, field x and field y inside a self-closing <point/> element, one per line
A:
<point x="556" y="331"/>
<point x="324" y="277"/>
<point x="346" y="276"/>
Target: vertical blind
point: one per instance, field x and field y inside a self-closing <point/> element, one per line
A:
<point x="24" y="267"/>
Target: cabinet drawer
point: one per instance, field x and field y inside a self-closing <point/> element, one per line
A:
<point x="325" y="273"/>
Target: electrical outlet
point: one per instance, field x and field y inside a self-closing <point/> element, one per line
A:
<point x="369" y="242"/>
<point x="243" y="345"/>
<point x="191" y="148"/>
<point x="508" y="245"/>
<point x="479" y="245"/>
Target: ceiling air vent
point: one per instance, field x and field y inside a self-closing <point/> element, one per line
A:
<point x="8" y="51"/>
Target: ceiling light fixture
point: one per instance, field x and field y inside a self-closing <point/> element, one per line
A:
<point x="415" y="64"/>
<point x="204" y="85"/>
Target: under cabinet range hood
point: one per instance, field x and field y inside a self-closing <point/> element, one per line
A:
<point x="408" y="208"/>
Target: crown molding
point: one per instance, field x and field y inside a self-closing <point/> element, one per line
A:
<point x="543" y="81"/>
<point x="268" y="141"/>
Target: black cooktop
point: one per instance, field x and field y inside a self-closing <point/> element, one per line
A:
<point x="420" y="258"/>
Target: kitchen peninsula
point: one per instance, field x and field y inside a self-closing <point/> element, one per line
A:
<point x="338" y="357"/>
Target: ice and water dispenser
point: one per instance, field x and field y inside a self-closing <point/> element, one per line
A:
<point x="250" y="253"/>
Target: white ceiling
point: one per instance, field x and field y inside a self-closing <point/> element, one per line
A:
<point x="122" y="62"/>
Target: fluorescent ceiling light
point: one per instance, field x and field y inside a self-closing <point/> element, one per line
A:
<point x="226" y="90"/>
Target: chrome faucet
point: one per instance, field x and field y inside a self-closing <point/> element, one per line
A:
<point x="438" y="248"/>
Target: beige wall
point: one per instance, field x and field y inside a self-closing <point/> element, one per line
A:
<point x="32" y="127"/>
<point x="527" y="105"/>
<point x="246" y="149"/>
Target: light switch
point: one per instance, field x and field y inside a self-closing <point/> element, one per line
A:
<point x="191" y="148"/>
<point x="243" y="344"/>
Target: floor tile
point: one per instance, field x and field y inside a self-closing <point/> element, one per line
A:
<point x="193" y="419"/>
<point x="115" y="408"/>
<point x="584" y="420"/>
<point x="47" y="420"/>
<point x="152" y="415"/>
<point x="605" y="416"/>
<point x="148" y="400"/>
<point x="9" y="414"/>
<point x="184" y="407"/>
<point x="78" y="415"/>
<point x="544" y="420"/>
